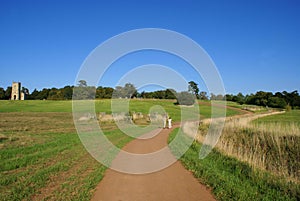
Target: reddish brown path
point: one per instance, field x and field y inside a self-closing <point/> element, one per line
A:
<point x="172" y="183"/>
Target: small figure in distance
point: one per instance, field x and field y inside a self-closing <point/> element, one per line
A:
<point x="165" y="117"/>
<point x="170" y="123"/>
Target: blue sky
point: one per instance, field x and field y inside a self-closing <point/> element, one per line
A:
<point x="254" y="44"/>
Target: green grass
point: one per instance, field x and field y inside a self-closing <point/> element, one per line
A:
<point x="41" y="157"/>
<point x="291" y="117"/>
<point x="231" y="179"/>
<point x="142" y="106"/>
<point x="25" y="170"/>
<point x="253" y="108"/>
<point x="35" y="106"/>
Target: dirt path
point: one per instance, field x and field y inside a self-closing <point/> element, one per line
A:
<point x="172" y="183"/>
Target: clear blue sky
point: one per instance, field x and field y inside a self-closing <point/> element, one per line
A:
<point x="254" y="44"/>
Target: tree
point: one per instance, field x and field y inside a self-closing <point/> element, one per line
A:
<point x="212" y="96"/>
<point x="185" y="98"/>
<point x="277" y="102"/>
<point x="229" y="97"/>
<point x="104" y="92"/>
<point x="118" y="92"/>
<point x="2" y="93"/>
<point x="292" y="98"/>
<point x="34" y="94"/>
<point x="25" y="90"/>
<point x="170" y="94"/>
<point x="55" y="94"/>
<point x="159" y="94"/>
<point x="193" y="87"/>
<point x="82" y="83"/>
<point x="129" y="90"/>
<point x="67" y="92"/>
<point x="239" y="98"/>
<point x="203" y="95"/>
<point x="43" y="94"/>
<point x="83" y="91"/>
<point x="8" y="93"/>
<point x="220" y="97"/>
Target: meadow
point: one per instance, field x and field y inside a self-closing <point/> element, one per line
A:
<point x="258" y="160"/>
<point x="104" y="105"/>
<point x="41" y="156"/>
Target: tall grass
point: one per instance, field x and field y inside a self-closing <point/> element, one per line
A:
<point x="232" y="179"/>
<point x="274" y="147"/>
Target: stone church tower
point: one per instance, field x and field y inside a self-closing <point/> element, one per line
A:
<point x="16" y="93"/>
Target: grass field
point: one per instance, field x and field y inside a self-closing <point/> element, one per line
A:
<point x="231" y="179"/>
<point x="270" y="143"/>
<point x="142" y="106"/>
<point x="252" y="108"/>
<point x="41" y="156"/>
<point x="256" y="161"/>
<point x="288" y="118"/>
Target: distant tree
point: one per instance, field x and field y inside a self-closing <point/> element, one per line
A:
<point x="34" y="94"/>
<point x="220" y="97"/>
<point x="8" y="93"/>
<point x="229" y="97"/>
<point x="104" y="92"/>
<point x="43" y="95"/>
<point x="2" y="94"/>
<point x="67" y="92"/>
<point x="147" y="94"/>
<point x="83" y="91"/>
<point x="212" y="96"/>
<point x="239" y="98"/>
<point x="185" y="98"/>
<point x="54" y="94"/>
<point x="193" y="87"/>
<point x="25" y="91"/>
<point x="129" y="90"/>
<point x="143" y="94"/>
<point x="276" y="102"/>
<point x="216" y="97"/>
<point x="82" y="83"/>
<point x="170" y="94"/>
<point x="108" y="92"/>
<point x="159" y="94"/>
<point x="292" y="98"/>
<point x="118" y="92"/>
<point x="203" y="95"/>
<point x="279" y="95"/>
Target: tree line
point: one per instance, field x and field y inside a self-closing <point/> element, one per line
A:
<point x="268" y="99"/>
<point x="83" y="91"/>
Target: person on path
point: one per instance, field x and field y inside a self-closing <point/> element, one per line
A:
<point x="164" y="121"/>
<point x="170" y="122"/>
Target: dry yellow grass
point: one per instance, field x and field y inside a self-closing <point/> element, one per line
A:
<point x="273" y="147"/>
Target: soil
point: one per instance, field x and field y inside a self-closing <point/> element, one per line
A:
<point x="171" y="183"/>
